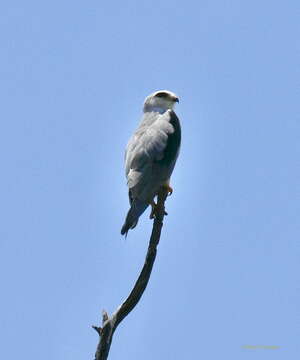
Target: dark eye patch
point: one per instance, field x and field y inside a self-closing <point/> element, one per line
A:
<point x="162" y="95"/>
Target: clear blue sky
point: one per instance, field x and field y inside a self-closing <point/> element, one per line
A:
<point x="74" y="76"/>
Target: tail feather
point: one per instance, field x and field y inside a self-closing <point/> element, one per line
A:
<point x="135" y="211"/>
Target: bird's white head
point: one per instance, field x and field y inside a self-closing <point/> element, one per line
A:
<point x="160" y="101"/>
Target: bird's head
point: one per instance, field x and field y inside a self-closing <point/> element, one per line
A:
<point x="160" y="101"/>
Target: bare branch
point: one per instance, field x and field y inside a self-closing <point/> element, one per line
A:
<point x="109" y="324"/>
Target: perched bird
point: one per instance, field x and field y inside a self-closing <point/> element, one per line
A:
<point x="151" y="155"/>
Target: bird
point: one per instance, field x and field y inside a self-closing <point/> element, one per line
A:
<point x="151" y="154"/>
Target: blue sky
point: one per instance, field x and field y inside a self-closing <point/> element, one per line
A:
<point x="73" y="79"/>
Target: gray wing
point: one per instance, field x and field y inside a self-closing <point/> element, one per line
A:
<point x="155" y="143"/>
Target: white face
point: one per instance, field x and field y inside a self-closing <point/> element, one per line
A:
<point x="162" y="99"/>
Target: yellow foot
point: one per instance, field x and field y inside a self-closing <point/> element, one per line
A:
<point x="169" y="189"/>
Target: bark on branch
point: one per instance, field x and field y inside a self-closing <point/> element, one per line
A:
<point x="110" y="323"/>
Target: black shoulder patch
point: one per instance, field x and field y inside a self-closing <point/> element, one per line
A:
<point x="174" y="140"/>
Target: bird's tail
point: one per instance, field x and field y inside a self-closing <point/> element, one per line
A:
<point x="135" y="211"/>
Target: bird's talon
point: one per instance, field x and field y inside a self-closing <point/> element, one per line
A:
<point x="169" y="190"/>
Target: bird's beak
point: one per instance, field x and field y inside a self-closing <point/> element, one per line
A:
<point x="176" y="99"/>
